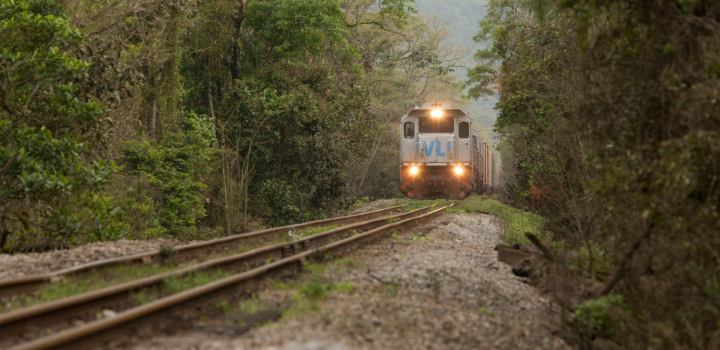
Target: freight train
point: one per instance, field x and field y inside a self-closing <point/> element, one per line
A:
<point x="442" y="155"/>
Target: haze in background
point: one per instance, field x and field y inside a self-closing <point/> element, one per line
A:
<point x="463" y="17"/>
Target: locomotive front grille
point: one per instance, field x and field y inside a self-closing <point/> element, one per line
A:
<point x="436" y="183"/>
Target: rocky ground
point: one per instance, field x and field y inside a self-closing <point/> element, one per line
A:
<point x="437" y="287"/>
<point x="18" y="265"/>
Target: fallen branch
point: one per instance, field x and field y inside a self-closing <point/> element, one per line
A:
<point x="617" y="274"/>
<point x="543" y="248"/>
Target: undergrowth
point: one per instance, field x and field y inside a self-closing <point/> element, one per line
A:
<point x="357" y="204"/>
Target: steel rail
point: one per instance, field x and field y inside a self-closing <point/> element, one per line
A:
<point x="14" y="285"/>
<point x="95" y="333"/>
<point x="63" y="312"/>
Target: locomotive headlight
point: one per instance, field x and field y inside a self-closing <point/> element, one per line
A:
<point x="413" y="170"/>
<point x="458" y="170"/>
<point x="436" y="113"/>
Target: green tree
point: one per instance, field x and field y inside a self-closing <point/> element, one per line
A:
<point x="48" y="120"/>
<point x="293" y="120"/>
<point x="613" y="112"/>
<point x="174" y="166"/>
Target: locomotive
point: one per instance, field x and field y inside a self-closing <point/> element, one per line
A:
<point x="442" y="155"/>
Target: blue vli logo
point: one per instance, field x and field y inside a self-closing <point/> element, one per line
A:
<point x="440" y="153"/>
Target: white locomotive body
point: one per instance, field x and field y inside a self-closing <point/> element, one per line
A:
<point x="442" y="155"/>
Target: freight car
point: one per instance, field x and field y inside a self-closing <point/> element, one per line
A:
<point x="442" y="155"/>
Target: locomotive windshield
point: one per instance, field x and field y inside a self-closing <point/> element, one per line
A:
<point x="437" y="125"/>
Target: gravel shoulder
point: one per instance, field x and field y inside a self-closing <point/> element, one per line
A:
<point x="444" y="289"/>
<point x="18" y="265"/>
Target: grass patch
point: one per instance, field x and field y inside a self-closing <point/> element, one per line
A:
<point x="314" y="268"/>
<point x="315" y="289"/>
<point x="239" y="250"/>
<point x="253" y="305"/>
<point x="484" y="310"/>
<point x="280" y="285"/>
<point x="391" y="289"/>
<point x="177" y="284"/>
<point x="409" y="239"/>
<point x="358" y="203"/>
<point x="345" y="286"/>
<point x="309" y="292"/>
<point x="314" y="230"/>
<point x="412" y="204"/>
<point x="348" y="262"/>
<point x="516" y="221"/>
<point x="77" y="284"/>
<point x="419" y="237"/>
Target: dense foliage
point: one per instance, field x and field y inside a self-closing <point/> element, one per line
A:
<point x="174" y="166"/>
<point x="610" y="117"/>
<point x="49" y="120"/>
<point x="221" y="115"/>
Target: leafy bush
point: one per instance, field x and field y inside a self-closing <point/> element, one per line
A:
<point x="277" y="196"/>
<point x="602" y="316"/>
<point x="49" y="123"/>
<point x="174" y="167"/>
<point x="298" y="140"/>
<point x="93" y="215"/>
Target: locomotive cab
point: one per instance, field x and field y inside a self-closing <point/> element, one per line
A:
<point x="440" y="153"/>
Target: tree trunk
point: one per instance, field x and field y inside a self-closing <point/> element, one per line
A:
<point x="234" y="71"/>
<point x="372" y="157"/>
<point x="212" y="111"/>
<point x="4" y="233"/>
<point x="151" y="131"/>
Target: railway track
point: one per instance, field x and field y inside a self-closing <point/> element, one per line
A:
<point x="29" y="283"/>
<point x="71" y="323"/>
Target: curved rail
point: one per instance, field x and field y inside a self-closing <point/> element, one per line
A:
<point x="14" y="285"/>
<point x="61" y="314"/>
<point x="95" y="333"/>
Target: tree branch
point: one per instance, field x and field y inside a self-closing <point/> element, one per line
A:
<point x="376" y="23"/>
<point x="617" y="274"/>
<point x="9" y="163"/>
